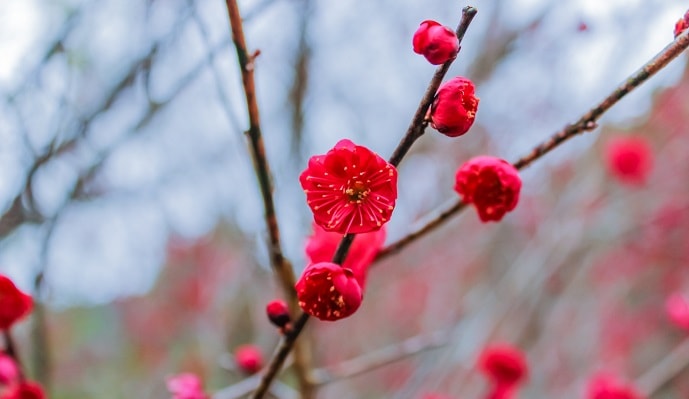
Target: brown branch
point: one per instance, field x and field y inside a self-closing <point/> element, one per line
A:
<point x="246" y="64"/>
<point x="382" y="357"/>
<point x="586" y="123"/>
<point x="414" y="131"/>
<point x="282" y="267"/>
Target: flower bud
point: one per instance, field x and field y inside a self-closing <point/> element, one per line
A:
<point x="436" y="42"/>
<point x="629" y="159"/>
<point x="504" y="365"/>
<point x="454" y="109"/>
<point x="677" y="310"/>
<point x="186" y="386"/>
<point x="491" y="184"/>
<point x="249" y="358"/>
<point x="14" y="304"/>
<point x="682" y="24"/>
<point x="328" y="291"/>
<point x="278" y="313"/>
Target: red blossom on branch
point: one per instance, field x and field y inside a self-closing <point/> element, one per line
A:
<point x="491" y="184"/>
<point x="321" y="247"/>
<point x="682" y="24"/>
<point x="454" y="109"/>
<point x="677" y="310"/>
<point x="436" y="42"/>
<point x="14" y="304"/>
<point x="607" y="386"/>
<point x="350" y="189"/>
<point x="505" y="366"/>
<point x="328" y="291"/>
<point x="29" y="390"/>
<point x="9" y="376"/>
<point x="629" y="159"/>
<point x="186" y="386"/>
<point x="278" y="313"/>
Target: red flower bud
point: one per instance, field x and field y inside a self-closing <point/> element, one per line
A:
<point x="504" y="365"/>
<point x="682" y="24"/>
<point x="454" y="109"/>
<point x="629" y="159"/>
<point x="491" y="184"/>
<point x="186" y="386"/>
<point x="436" y="42"/>
<point x="14" y="304"/>
<point x="278" y="313"/>
<point x="249" y="358"/>
<point x="350" y="189"/>
<point x="29" y="390"/>
<point x="328" y="291"/>
<point x="677" y="310"/>
<point x="606" y="386"/>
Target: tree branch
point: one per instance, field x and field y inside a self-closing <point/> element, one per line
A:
<point x="586" y="123"/>
<point x="382" y="357"/>
<point x="414" y="131"/>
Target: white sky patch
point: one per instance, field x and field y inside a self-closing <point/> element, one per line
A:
<point x="18" y="31"/>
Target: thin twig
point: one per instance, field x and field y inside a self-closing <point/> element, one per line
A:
<point x="414" y="131"/>
<point x="381" y="357"/>
<point x="258" y="152"/>
<point x="586" y="123"/>
<point x="282" y="267"/>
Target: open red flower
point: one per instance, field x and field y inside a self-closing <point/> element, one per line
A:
<point x="350" y="189"/>
<point x="504" y="365"/>
<point x="629" y="159"/>
<point x="321" y="247"/>
<point x="329" y="292"/>
<point x="186" y="386"/>
<point x="682" y="24"/>
<point x="14" y="304"/>
<point x="454" y="109"/>
<point x="491" y="184"/>
<point x="607" y="386"/>
<point x="436" y="42"/>
<point x="249" y="358"/>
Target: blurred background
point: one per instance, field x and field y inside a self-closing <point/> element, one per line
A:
<point x="130" y="207"/>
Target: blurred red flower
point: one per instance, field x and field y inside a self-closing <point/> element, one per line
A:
<point x="629" y="159"/>
<point x="249" y="358"/>
<point x="677" y="310"/>
<point x="607" y="386"/>
<point x="503" y="364"/>
<point x="186" y="386"/>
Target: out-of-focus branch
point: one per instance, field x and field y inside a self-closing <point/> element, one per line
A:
<point x="246" y="66"/>
<point x="665" y="370"/>
<point x="382" y="357"/>
<point x="586" y="123"/>
<point x="415" y="130"/>
<point x="282" y="267"/>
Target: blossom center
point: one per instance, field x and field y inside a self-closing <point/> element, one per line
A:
<point x="357" y="191"/>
